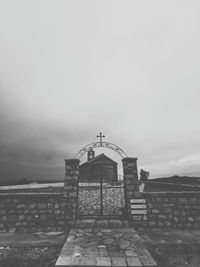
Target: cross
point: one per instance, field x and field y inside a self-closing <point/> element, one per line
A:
<point x="100" y="136"/>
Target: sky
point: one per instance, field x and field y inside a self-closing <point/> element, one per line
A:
<point x="70" y="69"/>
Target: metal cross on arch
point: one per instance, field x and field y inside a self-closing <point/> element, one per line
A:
<point x="100" y="136"/>
<point x="109" y="145"/>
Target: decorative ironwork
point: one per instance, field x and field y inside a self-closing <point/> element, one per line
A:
<point x="100" y="199"/>
<point x="88" y="147"/>
<point x="100" y="136"/>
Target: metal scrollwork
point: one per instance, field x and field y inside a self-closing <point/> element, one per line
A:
<point x="88" y="147"/>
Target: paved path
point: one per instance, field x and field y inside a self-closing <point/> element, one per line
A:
<point x="104" y="247"/>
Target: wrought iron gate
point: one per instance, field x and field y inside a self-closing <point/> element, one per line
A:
<point x="100" y="199"/>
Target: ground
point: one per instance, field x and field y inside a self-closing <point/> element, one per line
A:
<point x="29" y="256"/>
<point x="169" y="249"/>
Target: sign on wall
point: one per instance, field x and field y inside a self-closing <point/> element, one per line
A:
<point x="138" y="209"/>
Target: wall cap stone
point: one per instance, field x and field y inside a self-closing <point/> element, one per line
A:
<point x="163" y="194"/>
<point x="35" y="194"/>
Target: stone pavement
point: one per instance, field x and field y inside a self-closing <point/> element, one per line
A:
<point x="104" y="247"/>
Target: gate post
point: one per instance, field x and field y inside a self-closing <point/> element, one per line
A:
<point x="71" y="189"/>
<point x="130" y="182"/>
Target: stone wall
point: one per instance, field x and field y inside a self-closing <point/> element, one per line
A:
<point x="32" y="212"/>
<point x="171" y="210"/>
<point x="130" y="183"/>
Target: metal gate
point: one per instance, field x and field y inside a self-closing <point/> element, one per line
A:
<point x="100" y="198"/>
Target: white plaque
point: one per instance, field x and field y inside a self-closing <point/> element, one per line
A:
<point x="139" y="200"/>
<point x="138" y="212"/>
<point x="138" y="206"/>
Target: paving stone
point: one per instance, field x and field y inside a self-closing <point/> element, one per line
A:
<point x="64" y="261"/>
<point x="102" y="252"/>
<point x="124" y="244"/>
<point x="103" y="261"/>
<point x="116" y="254"/>
<point x="76" y="261"/>
<point x="133" y="262"/>
<point x="88" y="261"/>
<point x="131" y="253"/>
<point x="91" y="251"/>
<point x="148" y="261"/>
<point x="118" y="261"/>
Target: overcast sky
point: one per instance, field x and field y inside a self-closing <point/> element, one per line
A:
<point x="69" y="69"/>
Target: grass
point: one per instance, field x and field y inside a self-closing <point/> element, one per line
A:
<point x="176" y="255"/>
<point x="29" y="257"/>
<point x="165" y="256"/>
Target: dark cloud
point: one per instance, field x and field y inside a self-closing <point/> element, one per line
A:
<point x="67" y="73"/>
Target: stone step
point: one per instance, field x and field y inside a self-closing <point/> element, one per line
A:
<point x="101" y="223"/>
<point x="104" y="248"/>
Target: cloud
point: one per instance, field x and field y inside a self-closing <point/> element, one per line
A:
<point x="69" y="70"/>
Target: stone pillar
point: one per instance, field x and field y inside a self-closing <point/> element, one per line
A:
<point x="71" y="189"/>
<point x="130" y="182"/>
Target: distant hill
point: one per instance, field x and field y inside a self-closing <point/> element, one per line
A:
<point x="174" y="183"/>
<point x="28" y="181"/>
<point x="178" y="180"/>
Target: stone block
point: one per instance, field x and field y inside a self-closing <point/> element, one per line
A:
<point x="42" y="211"/>
<point x="133" y="261"/>
<point x="190" y="219"/>
<point x="193" y="201"/>
<point x="41" y="206"/>
<point x="12" y="230"/>
<point x="28" y="218"/>
<point x="21" y="206"/>
<point x="102" y="223"/>
<point x="129" y="193"/>
<point x="12" y="218"/>
<point x="159" y="199"/>
<point x="160" y="224"/>
<point x="4" y="218"/>
<point x="103" y="261"/>
<point x="196" y="226"/>
<point x="21" y="217"/>
<point x="150" y="205"/>
<point x="176" y="219"/>
<point x="32" y="205"/>
<point x="155" y="211"/>
<point x="196" y="207"/>
<point x="152" y="223"/>
<point x="161" y="216"/>
<point x="148" y="261"/>
<point x="182" y="201"/>
<point x="197" y="218"/>
<point x="115" y="223"/>
<point x="167" y="210"/>
<point x="118" y="261"/>
<point x="168" y="224"/>
<point x="3" y="212"/>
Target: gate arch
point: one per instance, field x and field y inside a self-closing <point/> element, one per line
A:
<point x="88" y="147"/>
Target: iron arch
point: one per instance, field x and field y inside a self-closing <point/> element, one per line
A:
<point x="86" y="148"/>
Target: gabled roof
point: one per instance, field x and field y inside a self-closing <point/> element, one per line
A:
<point x="97" y="158"/>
